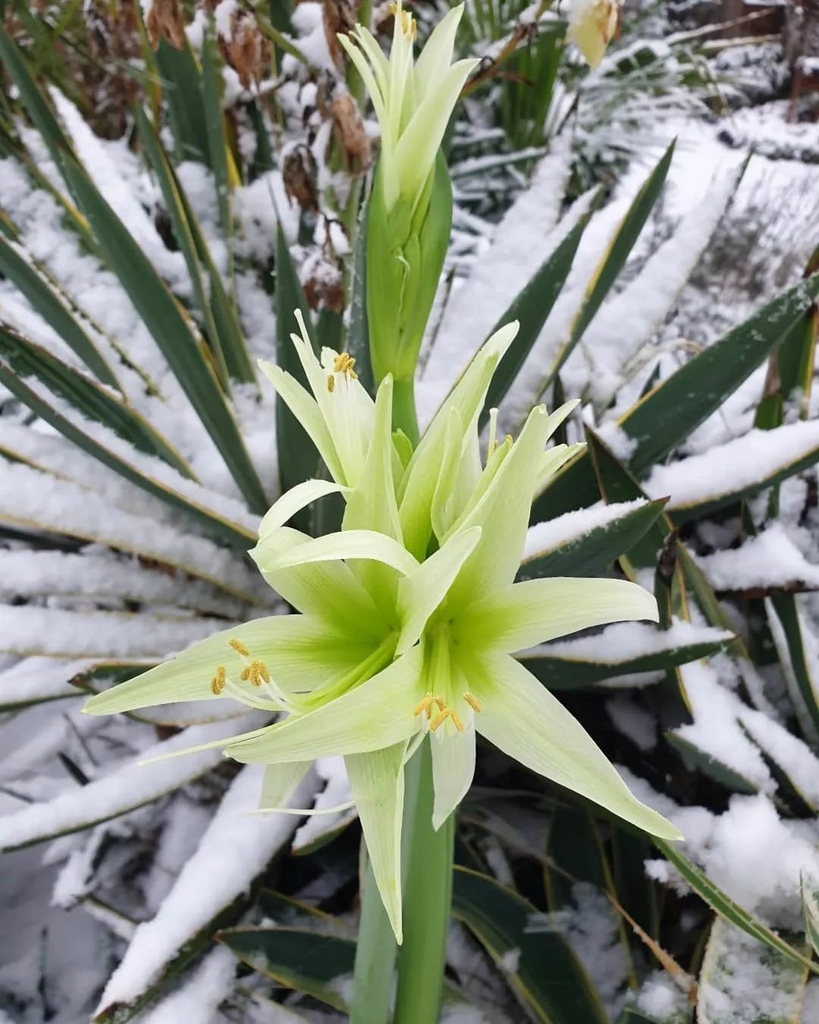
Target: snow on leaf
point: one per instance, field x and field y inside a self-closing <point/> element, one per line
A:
<point x="743" y="981"/>
<point x="554" y="532"/>
<point x="522" y="241"/>
<point x="768" y="561"/>
<point x="34" y="500"/>
<point x="199" y="996"/>
<point x="28" y="630"/>
<point x="233" y="851"/>
<point x="628" y="321"/>
<point x="39" y="679"/>
<point x="126" y="786"/>
<point x="102" y="577"/>
<point x="743" y="465"/>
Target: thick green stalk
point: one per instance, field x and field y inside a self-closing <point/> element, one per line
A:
<point x="374" y="959"/>
<point x="427" y="903"/>
<point x="403" y="408"/>
<point x="376" y="948"/>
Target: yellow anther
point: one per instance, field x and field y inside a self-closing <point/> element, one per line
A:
<point x="239" y="647"/>
<point x="345" y="364"/>
<point x="407" y="20"/>
<point x="217" y="684"/>
<point x="439" y="719"/>
<point x="456" y="721"/>
<point x="509" y="439"/>
<point x="331" y="383"/>
<point x="424" y="705"/>
<point x="440" y="703"/>
<point x="256" y="673"/>
<point x="471" y="700"/>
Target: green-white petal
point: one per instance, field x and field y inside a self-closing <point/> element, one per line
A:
<point x="376" y="714"/>
<point x="294" y="501"/>
<point x="436" y="56"/>
<point x="524" y="720"/>
<point x="372" y="82"/>
<point x="328" y="591"/>
<point x="299" y="652"/>
<point x="306" y="410"/>
<point x="535" y="611"/>
<point x="372" y="504"/>
<point x="335" y="547"/>
<point x="378" y="61"/>
<point x="420" y="593"/>
<point x="459" y="475"/>
<point x="453" y="767"/>
<point x="552" y="460"/>
<point x="503" y="512"/>
<point x="377" y="782"/>
<point x="421" y="139"/>
<point x="279" y="783"/>
<point x="424" y="470"/>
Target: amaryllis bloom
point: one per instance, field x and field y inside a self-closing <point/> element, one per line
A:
<point x="592" y="26"/>
<point x="408" y="617"/>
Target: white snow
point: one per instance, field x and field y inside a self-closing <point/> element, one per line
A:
<point x="743" y="463"/>
<point x="336" y="792"/>
<point x="29" y="630"/>
<point x="34" y="499"/>
<point x="99" y="576"/>
<point x="789" y="752"/>
<point x="627" y="640"/>
<point x="198" y="998"/>
<point x="40" y="679"/>
<point x="741" y="981"/>
<point x="770" y="559"/>
<point x="715" y="730"/>
<point x="571" y="526"/>
<point x="661" y="999"/>
<point x="232" y="852"/>
<point x="632" y="721"/>
<point x="124" y="787"/>
<point x="522" y="241"/>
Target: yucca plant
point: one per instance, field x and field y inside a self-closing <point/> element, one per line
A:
<point x="139" y="456"/>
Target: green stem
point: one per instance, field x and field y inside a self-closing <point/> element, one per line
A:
<point x="427" y="903"/>
<point x="403" y="408"/>
<point x="374" y="959"/>
<point x="376" y="948"/>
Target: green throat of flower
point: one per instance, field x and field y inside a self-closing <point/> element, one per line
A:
<point x="264" y="694"/>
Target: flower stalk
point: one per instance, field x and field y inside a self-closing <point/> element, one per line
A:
<point x="428" y="901"/>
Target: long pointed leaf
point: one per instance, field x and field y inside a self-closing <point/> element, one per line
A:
<point x="51" y="309"/>
<point x="298" y="458"/>
<point x="612" y="263"/>
<point x="532" y="307"/>
<point x="171" y="329"/>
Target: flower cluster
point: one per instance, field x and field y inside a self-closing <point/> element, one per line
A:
<point x="409" y="616"/>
